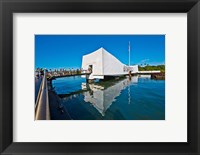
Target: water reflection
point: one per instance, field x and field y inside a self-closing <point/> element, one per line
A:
<point x="102" y="96"/>
<point x="138" y="98"/>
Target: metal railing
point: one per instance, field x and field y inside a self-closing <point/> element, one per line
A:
<point x="42" y="111"/>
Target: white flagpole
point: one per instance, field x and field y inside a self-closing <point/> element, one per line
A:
<point x="129" y="51"/>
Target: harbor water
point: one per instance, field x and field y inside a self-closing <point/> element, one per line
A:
<point x="136" y="98"/>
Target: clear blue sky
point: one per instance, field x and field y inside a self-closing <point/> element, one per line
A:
<point x="66" y="51"/>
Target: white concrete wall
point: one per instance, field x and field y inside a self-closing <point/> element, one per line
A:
<point x="94" y="59"/>
<point x="112" y="66"/>
<point x="135" y="69"/>
<point x="105" y="64"/>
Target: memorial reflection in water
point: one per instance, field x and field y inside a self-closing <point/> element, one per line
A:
<point x="102" y="97"/>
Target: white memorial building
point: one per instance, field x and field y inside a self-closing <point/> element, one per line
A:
<point x="101" y="63"/>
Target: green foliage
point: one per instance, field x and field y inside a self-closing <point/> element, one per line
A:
<point x="150" y="68"/>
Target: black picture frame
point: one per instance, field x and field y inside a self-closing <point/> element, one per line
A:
<point x="8" y="7"/>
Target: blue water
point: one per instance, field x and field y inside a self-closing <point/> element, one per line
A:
<point x="66" y="85"/>
<point x="139" y="98"/>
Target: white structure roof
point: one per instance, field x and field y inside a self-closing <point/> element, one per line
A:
<point x="105" y="64"/>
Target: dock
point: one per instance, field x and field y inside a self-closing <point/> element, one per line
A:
<point x="48" y="105"/>
<point x="42" y="111"/>
<point x="148" y="72"/>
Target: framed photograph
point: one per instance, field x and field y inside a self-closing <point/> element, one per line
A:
<point x="96" y="85"/>
<point x="99" y="77"/>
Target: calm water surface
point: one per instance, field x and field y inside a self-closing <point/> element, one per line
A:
<point x="138" y="98"/>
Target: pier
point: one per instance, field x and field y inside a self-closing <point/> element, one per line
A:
<point x="42" y="111"/>
<point x="48" y="105"/>
<point x="148" y="72"/>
